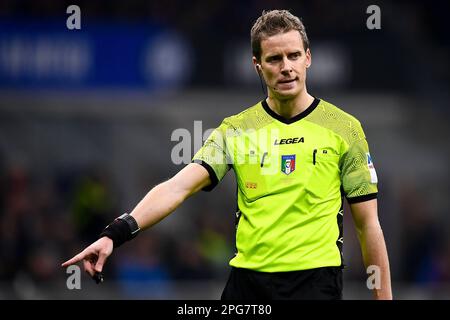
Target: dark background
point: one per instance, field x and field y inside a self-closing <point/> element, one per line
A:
<point x="86" y="119"/>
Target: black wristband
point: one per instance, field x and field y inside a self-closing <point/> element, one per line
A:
<point x="122" y="229"/>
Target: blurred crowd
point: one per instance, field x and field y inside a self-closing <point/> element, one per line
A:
<point x="45" y="220"/>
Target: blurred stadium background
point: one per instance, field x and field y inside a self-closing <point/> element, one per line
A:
<point x="86" y="118"/>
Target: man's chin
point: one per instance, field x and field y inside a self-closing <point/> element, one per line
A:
<point x="286" y="94"/>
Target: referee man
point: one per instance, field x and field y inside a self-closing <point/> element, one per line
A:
<point x="295" y="158"/>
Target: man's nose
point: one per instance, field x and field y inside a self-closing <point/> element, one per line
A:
<point x="286" y="66"/>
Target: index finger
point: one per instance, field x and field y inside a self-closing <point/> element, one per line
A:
<point x="74" y="260"/>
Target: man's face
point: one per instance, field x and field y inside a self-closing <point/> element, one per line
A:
<point x="283" y="64"/>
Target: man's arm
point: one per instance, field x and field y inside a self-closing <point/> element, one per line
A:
<point x="373" y="247"/>
<point x="167" y="196"/>
<point x="156" y="205"/>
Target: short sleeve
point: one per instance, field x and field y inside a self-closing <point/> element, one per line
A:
<point x="358" y="175"/>
<point x="213" y="156"/>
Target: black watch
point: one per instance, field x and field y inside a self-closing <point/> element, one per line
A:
<point x="134" y="228"/>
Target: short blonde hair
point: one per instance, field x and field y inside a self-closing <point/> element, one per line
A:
<point x="273" y="22"/>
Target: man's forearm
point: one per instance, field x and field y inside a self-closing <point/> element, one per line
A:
<point x="157" y="204"/>
<point x="375" y="254"/>
<point x="167" y="196"/>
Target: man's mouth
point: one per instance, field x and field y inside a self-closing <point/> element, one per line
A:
<point x="287" y="80"/>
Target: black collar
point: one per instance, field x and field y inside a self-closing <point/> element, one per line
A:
<point x="298" y="117"/>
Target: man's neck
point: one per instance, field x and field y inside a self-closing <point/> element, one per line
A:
<point x="289" y="108"/>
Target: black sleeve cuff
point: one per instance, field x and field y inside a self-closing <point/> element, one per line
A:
<point x="363" y="198"/>
<point x="212" y="175"/>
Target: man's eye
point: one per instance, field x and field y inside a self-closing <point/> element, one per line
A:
<point x="273" y="59"/>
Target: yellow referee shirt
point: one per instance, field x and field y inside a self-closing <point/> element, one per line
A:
<point x="291" y="176"/>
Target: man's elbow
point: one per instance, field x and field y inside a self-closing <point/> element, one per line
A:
<point x="372" y="227"/>
<point x="176" y="191"/>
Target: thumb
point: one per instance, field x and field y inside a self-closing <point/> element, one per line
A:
<point x="100" y="262"/>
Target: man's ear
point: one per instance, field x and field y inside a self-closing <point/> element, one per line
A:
<point x="308" y="58"/>
<point x="256" y="64"/>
